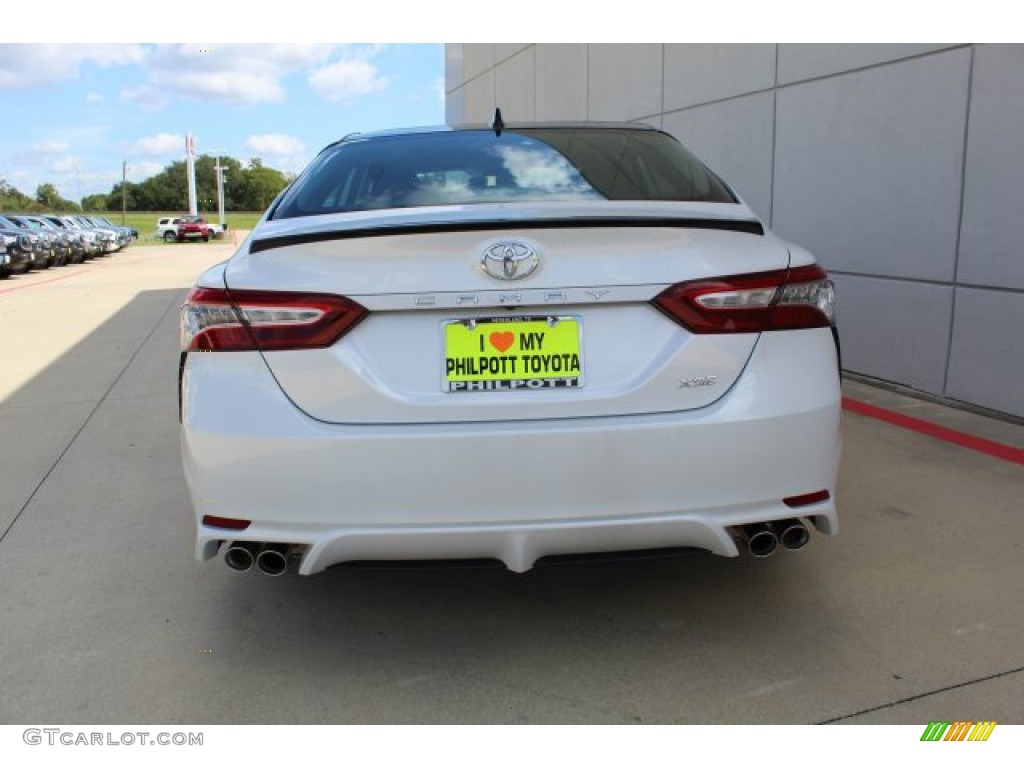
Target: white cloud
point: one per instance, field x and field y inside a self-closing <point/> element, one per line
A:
<point x="26" y="66"/>
<point x="347" y="79"/>
<point x="140" y="170"/>
<point x="93" y="98"/>
<point x="278" y="150"/>
<point x="274" y="144"/>
<point x="160" y="144"/>
<point x="228" y="74"/>
<point x="66" y="164"/>
<point x="51" y="147"/>
<point x="245" y="74"/>
<point x="145" y="97"/>
<point x="228" y="87"/>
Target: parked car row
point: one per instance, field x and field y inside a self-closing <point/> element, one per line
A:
<point x="43" y="240"/>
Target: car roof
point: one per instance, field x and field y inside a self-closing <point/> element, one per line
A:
<point x="577" y="125"/>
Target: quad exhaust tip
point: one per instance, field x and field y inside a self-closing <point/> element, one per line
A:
<point x="270" y="559"/>
<point x="762" y="539"/>
<point x="273" y="559"/>
<point x="241" y="555"/>
<point x="792" y="533"/>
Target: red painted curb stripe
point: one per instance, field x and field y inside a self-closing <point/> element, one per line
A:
<point x="980" y="444"/>
<point x="41" y="282"/>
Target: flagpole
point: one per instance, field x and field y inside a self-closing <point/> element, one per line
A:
<point x="190" y="166"/>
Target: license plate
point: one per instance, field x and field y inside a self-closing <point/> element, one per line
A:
<point x="510" y="354"/>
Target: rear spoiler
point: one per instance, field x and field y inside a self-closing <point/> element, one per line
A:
<point x="748" y="226"/>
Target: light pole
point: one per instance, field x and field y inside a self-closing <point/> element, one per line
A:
<point x="221" y="172"/>
<point x="124" y="198"/>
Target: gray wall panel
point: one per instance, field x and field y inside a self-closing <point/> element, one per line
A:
<point x="734" y="138"/>
<point x="992" y="238"/>
<point x="477" y="58"/>
<point x="988" y="350"/>
<point x="455" y="106"/>
<point x="514" y="87"/>
<point x="454" y="74"/>
<point x="724" y="71"/>
<point x="504" y="51"/>
<point x="479" y="98"/>
<point x="561" y="80"/>
<point x="868" y="166"/>
<point x="624" y="81"/>
<point x="894" y="329"/>
<point x="802" y="61"/>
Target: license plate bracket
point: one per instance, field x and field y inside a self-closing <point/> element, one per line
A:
<point x="512" y="354"/>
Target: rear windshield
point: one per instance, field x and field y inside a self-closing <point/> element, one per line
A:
<point x="469" y="167"/>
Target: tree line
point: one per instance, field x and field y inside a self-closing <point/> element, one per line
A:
<point x="249" y="187"/>
<point x="46" y="199"/>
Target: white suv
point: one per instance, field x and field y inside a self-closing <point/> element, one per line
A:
<point x="167" y="228"/>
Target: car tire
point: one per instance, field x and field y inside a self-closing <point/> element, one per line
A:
<point x="206" y="238"/>
<point x="169" y="236"/>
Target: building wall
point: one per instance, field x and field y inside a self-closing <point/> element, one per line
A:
<point x="900" y="166"/>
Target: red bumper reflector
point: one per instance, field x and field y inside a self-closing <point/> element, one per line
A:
<point x="226" y="522"/>
<point x="805" y="499"/>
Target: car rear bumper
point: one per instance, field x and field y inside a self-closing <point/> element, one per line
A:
<point x="515" y="491"/>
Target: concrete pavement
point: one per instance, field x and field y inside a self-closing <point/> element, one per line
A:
<point x="912" y="614"/>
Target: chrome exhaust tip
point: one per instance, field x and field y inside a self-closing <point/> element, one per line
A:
<point x="273" y="559"/>
<point x="240" y="555"/>
<point x="761" y="539"/>
<point x="792" y="533"/>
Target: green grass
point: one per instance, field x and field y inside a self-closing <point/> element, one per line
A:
<point x="145" y="221"/>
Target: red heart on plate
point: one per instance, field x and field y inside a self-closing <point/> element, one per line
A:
<point x="502" y="341"/>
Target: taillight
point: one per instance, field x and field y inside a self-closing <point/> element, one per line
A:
<point x="784" y="299"/>
<point x="216" y="320"/>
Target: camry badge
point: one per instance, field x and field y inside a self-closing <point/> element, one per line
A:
<point x="509" y="260"/>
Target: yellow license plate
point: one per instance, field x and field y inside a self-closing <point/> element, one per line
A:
<point x="512" y="354"/>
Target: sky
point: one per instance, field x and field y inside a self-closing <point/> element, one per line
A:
<point x="83" y="109"/>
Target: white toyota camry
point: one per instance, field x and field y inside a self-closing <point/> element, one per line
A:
<point x="508" y="342"/>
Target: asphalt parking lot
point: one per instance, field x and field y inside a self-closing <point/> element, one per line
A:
<point x="912" y="614"/>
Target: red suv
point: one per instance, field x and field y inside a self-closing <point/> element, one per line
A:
<point x="193" y="226"/>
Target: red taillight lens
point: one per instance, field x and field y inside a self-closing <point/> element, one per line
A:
<point x="765" y="301"/>
<point x="216" y="320"/>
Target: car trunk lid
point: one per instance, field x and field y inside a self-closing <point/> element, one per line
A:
<point x="421" y="275"/>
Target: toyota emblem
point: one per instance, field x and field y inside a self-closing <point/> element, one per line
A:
<point x="509" y="261"/>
